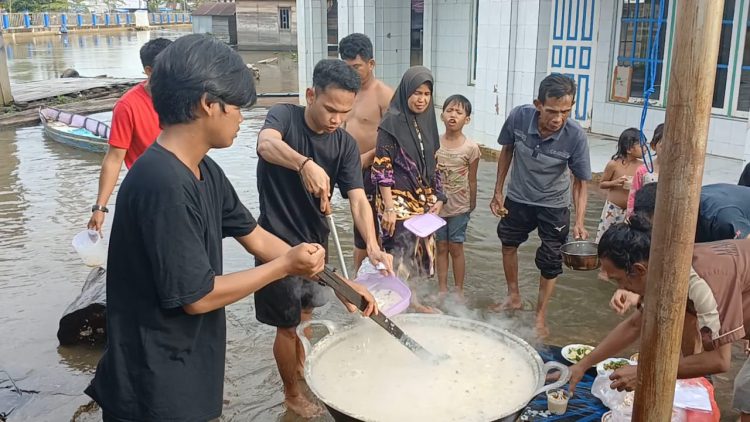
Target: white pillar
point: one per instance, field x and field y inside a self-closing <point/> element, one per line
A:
<point x="312" y="45"/>
<point x="5" y="97"/>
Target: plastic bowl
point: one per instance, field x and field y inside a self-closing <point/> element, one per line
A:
<point x="424" y="225"/>
<point x="90" y="247"/>
<point x="376" y="282"/>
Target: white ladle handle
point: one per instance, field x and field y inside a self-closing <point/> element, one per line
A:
<point x="564" y="376"/>
<point x="303" y="338"/>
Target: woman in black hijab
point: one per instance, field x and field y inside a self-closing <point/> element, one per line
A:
<point x="405" y="169"/>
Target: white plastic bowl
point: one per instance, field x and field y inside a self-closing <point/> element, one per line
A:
<point x="90" y="247"/>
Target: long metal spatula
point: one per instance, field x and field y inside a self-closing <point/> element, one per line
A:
<point x="331" y="279"/>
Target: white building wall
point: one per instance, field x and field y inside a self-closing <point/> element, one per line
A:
<point x="450" y="56"/>
<point x="512" y="58"/>
<point x="391" y="42"/>
<point x="726" y="136"/>
<point x="312" y="41"/>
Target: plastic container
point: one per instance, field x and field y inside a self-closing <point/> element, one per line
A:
<point x="379" y="285"/>
<point x="90" y="247"/>
<point x="424" y="225"/>
<point x="557" y="401"/>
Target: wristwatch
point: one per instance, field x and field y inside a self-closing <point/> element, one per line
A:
<point x="101" y="208"/>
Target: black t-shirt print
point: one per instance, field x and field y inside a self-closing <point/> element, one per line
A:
<point x="287" y="209"/>
<point x="161" y="363"/>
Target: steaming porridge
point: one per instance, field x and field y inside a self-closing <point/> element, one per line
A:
<point x="386" y="298"/>
<point x="372" y="375"/>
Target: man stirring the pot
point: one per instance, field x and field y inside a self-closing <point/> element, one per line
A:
<point x="544" y="145"/>
<point x="302" y="153"/>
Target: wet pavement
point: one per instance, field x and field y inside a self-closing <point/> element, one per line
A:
<point x="46" y="190"/>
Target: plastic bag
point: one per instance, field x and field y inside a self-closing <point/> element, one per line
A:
<point x="366" y="268"/>
<point x="621" y="403"/>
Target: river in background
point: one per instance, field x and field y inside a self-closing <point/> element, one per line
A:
<point x="115" y="54"/>
<point x="46" y="190"/>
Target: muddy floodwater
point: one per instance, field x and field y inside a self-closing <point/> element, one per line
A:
<point x="46" y="190"/>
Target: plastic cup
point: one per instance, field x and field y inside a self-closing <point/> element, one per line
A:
<point x="557" y="401"/>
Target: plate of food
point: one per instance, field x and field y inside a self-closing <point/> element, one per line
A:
<point x="574" y="353"/>
<point x="610" y="365"/>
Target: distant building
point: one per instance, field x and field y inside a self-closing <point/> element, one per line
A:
<point x="217" y="19"/>
<point x="267" y="25"/>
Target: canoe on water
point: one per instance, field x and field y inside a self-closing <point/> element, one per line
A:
<point x="74" y="130"/>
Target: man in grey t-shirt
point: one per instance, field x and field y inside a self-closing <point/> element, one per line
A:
<point x="544" y="147"/>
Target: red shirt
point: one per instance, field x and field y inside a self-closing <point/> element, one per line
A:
<point x="135" y="124"/>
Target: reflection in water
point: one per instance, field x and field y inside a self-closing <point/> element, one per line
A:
<point x="117" y="55"/>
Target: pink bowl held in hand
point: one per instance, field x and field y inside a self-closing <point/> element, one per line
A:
<point x="378" y="284"/>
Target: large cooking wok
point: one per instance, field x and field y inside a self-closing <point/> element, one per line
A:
<point x="337" y="335"/>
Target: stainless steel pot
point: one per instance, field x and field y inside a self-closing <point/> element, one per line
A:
<point x="337" y="335"/>
<point x="581" y="255"/>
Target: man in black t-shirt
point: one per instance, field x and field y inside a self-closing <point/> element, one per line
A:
<point x="302" y="154"/>
<point x="166" y="328"/>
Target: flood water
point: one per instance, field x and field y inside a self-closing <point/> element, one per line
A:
<point x="46" y="190"/>
<point x="116" y="54"/>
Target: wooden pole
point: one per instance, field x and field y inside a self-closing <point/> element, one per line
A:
<point x="691" y="85"/>
<point x="5" y="96"/>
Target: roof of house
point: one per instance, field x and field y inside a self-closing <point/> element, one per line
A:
<point x="215" y="9"/>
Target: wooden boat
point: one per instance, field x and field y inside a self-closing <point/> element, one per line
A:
<point x="75" y="130"/>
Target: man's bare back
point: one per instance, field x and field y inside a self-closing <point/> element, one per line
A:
<point x="371" y="103"/>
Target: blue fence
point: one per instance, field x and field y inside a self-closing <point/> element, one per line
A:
<point x="63" y="21"/>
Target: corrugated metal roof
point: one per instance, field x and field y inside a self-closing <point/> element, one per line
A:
<point x="215" y="9"/>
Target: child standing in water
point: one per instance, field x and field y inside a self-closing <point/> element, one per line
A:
<point x="457" y="161"/>
<point x="617" y="178"/>
<point x="642" y="175"/>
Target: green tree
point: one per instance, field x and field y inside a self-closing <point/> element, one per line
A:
<point x="78" y="6"/>
<point x="113" y="4"/>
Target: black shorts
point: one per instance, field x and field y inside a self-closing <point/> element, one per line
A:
<point x="552" y="224"/>
<point x="280" y="303"/>
<point x="370" y="187"/>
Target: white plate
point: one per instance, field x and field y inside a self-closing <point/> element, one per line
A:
<point x="565" y="350"/>
<point x="600" y="367"/>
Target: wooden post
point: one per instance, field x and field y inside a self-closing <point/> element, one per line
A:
<point x="691" y="85"/>
<point x="5" y="97"/>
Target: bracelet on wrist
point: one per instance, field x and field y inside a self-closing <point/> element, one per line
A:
<point x="98" y="207"/>
<point x="390" y="210"/>
<point x="301" y="166"/>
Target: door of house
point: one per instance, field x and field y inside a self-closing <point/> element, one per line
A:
<point x="572" y="49"/>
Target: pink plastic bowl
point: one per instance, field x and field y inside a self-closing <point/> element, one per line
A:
<point x="375" y="282"/>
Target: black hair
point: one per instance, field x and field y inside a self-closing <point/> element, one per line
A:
<point x="336" y="73"/>
<point x="628" y="138"/>
<point x="645" y="200"/>
<point x="460" y="100"/>
<point x="626" y="244"/>
<point x="195" y="65"/>
<point x="151" y="49"/>
<point x="556" y="85"/>
<point x="354" y="45"/>
<point x="658" y="135"/>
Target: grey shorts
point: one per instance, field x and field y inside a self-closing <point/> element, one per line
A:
<point x="280" y="303"/>
<point x="741" y="401"/>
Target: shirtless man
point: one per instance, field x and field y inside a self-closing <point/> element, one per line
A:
<point x="362" y="122"/>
